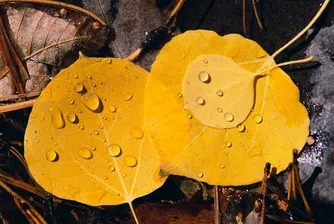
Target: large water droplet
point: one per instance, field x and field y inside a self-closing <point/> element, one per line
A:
<point x="127" y="96"/>
<point x="71" y="117"/>
<point x="200" y="174"/>
<point x="85" y="153"/>
<point x="220" y="93"/>
<point x="130" y="161"/>
<point x="92" y="101"/>
<point x="200" y="101"/>
<point x="51" y="155"/>
<point x="57" y="117"/>
<point x="79" y="87"/>
<point x="112" y="109"/>
<point x="114" y="150"/>
<point x="257" y="118"/>
<point x="137" y="133"/>
<point x="241" y="127"/>
<point x="228" y="117"/>
<point x="204" y="76"/>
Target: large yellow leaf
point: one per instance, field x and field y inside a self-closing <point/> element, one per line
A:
<point x="277" y="123"/>
<point x="85" y="139"/>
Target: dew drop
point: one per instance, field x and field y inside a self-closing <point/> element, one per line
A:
<point x="81" y="127"/>
<point x="57" y="118"/>
<point x="222" y="166"/>
<point x="183" y="55"/>
<point x="96" y="133"/>
<point x="93" y="84"/>
<point x="71" y="117"/>
<point x="112" y="109"/>
<point x="101" y="127"/>
<point x="180" y="95"/>
<point x="128" y="96"/>
<point x="241" y="127"/>
<point x="257" y="118"/>
<point x="204" y="76"/>
<point x="114" y="150"/>
<point x="228" y="144"/>
<point x="137" y="133"/>
<point x="112" y="168"/>
<point x="205" y="61"/>
<point x="219" y="110"/>
<point x="226" y="153"/>
<point x="51" y="155"/>
<point x="92" y="101"/>
<point x="228" y="117"/>
<point x="71" y="102"/>
<point x="89" y="77"/>
<point x="42" y="118"/>
<point x="200" y="101"/>
<point x="200" y="174"/>
<point x="190" y="116"/>
<point x="76" y="76"/>
<point x="85" y="153"/>
<point x="124" y="175"/>
<point x="79" y="111"/>
<point x="130" y="161"/>
<point x="105" y="178"/>
<point x="220" y="93"/>
<point x="104" y="98"/>
<point x="79" y="87"/>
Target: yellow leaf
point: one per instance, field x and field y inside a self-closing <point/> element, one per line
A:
<point x="187" y="146"/>
<point x="85" y="139"/>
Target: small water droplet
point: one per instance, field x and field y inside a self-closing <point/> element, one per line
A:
<point x="241" y="127"/>
<point x="190" y="116"/>
<point x="42" y="118"/>
<point x="130" y="161"/>
<point x="79" y="87"/>
<point x="90" y="133"/>
<point x="128" y="96"/>
<point x="89" y="77"/>
<point x="92" y="101"/>
<point x="71" y="117"/>
<point x="222" y="166"/>
<point x="71" y="102"/>
<point x="205" y="61"/>
<point x="124" y="175"/>
<point x="81" y="127"/>
<point x="204" y="76"/>
<point x="101" y="83"/>
<point x="101" y="127"/>
<point x="200" y="101"/>
<point x="93" y="84"/>
<point x="85" y="153"/>
<point x="112" y="109"/>
<point x="180" y="95"/>
<point x="257" y="118"/>
<point x="200" y="174"/>
<point x="219" y="110"/>
<point x="137" y="133"/>
<point x="228" y="117"/>
<point x="79" y="111"/>
<point x="51" y="155"/>
<point x="226" y="153"/>
<point x="76" y="76"/>
<point x="57" y="117"/>
<point x="228" y="144"/>
<point x="114" y="150"/>
<point x="183" y="55"/>
<point x="105" y="178"/>
<point x="187" y="82"/>
<point x="104" y="98"/>
<point x="112" y="168"/>
<point x="96" y="133"/>
<point x="220" y="93"/>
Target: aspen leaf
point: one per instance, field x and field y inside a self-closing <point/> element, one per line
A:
<point x="85" y="139"/>
<point x="186" y="141"/>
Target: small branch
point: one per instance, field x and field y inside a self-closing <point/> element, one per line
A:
<point x="17" y="106"/>
<point x="216" y="205"/>
<point x="257" y="15"/>
<point x="244" y="17"/>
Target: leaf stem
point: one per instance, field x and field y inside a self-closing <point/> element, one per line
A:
<point x="133" y="212"/>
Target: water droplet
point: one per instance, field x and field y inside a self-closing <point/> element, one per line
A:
<point x="228" y="117"/>
<point x="114" y="150"/>
<point x="104" y="98"/>
<point x="124" y="175"/>
<point x="219" y="110"/>
<point x="89" y="77"/>
<point x="93" y="84"/>
<point x="81" y="127"/>
<point x="226" y="153"/>
<point x="228" y="144"/>
<point x="257" y="118"/>
<point x="57" y="117"/>
<point x="112" y="109"/>
<point x="51" y="155"/>
<point x="105" y="178"/>
<point x="71" y="117"/>
<point x="79" y="87"/>
<point x="42" y="118"/>
<point x="204" y="76"/>
<point x="241" y="127"/>
<point x="200" y="174"/>
<point x="96" y="133"/>
<point x="205" y="61"/>
<point x="79" y="111"/>
<point x="189" y="116"/>
<point x="92" y="101"/>
<point x="130" y="161"/>
<point x="101" y="83"/>
<point x="90" y="133"/>
<point x="137" y="133"/>
<point x="200" y="101"/>
<point x="104" y="140"/>
<point x="76" y="76"/>
<point x="101" y="127"/>
<point x="128" y="96"/>
<point x="180" y="95"/>
<point x="71" y="102"/>
<point x="220" y="93"/>
<point x="85" y="153"/>
<point x="222" y="166"/>
<point x="112" y="168"/>
<point x="183" y="55"/>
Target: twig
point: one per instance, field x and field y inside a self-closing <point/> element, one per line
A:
<point x="17" y="106"/>
<point x="244" y="17"/>
<point x="29" y="219"/>
<point x="264" y="190"/>
<point x="257" y="15"/>
<point x="216" y="205"/>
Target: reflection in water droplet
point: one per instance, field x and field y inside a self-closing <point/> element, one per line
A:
<point x="128" y="96"/>
<point x="219" y="110"/>
<point x="85" y="153"/>
<point x="114" y="150"/>
<point x="112" y="168"/>
<point x="92" y="101"/>
<point x="112" y="109"/>
<point x="200" y="174"/>
<point x="79" y="87"/>
<point x="130" y="161"/>
<point x="228" y="117"/>
<point x="200" y="101"/>
<point x="57" y="117"/>
<point x="71" y="117"/>
<point x="257" y="118"/>
<point x="220" y="93"/>
<point x="51" y="155"/>
<point x="241" y="127"/>
<point x="228" y="144"/>
<point x="137" y="133"/>
<point x="204" y="76"/>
